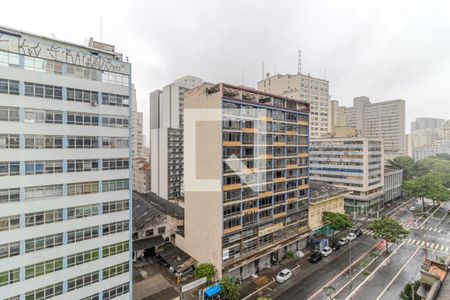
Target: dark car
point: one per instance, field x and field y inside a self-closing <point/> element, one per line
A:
<point x="358" y="232"/>
<point x="316" y="256"/>
<point x="335" y="246"/>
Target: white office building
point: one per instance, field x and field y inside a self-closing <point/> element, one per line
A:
<point x="354" y="163"/>
<point x="64" y="169"/>
<point x="312" y="90"/>
<point x="166" y="137"/>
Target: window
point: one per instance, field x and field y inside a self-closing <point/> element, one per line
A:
<point x="114" y="142"/>
<point x="43" y="142"/>
<point x="115" y="78"/>
<point x="114" y="100"/>
<point x="10" y="168"/>
<point x="81" y="188"/>
<point x="82" y="211"/>
<point x="43" y="192"/>
<point x="115" y="227"/>
<point x="115" y="249"/>
<point x="9" y="59"/>
<point x="43" y="116"/>
<point x="10" y="114"/>
<point x="81" y="281"/>
<point x="115" y="185"/>
<point x="115" y="291"/>
<point x="43" y="91"/>
<point x="43" y="268"/>
<point x="82" y="119"/>
<point x="34" y="64"/>
<point x="82" y="165"/>
<point x="112" y="121"/>
<point x="9" y="250"/>
<point x="91" y="297"/>
<point x="161" y="230"/>
<point x="149" y="232"/>
<point x="9" y="141"/>
<point x="110" y="207"/>
<point x="115" y="164"/>
<point x="83" y="72"/>
<point x="43" y="217"/>
<point x="82" y="142"/>
<point x="116" y="270"/>
<point x="43" y="167"/>
<point x="9" y="87"/>
<point x="82" y="234"/>
<point x="45" y="292"/>
<point x="82" y="96"/>
<point x="9" y="223"/>
<point x="9" y="277"/>
<point x="43" y="242"/>
<point x="82" y="257"/>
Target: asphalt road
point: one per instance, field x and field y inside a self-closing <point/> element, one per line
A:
<point x="382" y="279"/>
<point x="313" y="276"/>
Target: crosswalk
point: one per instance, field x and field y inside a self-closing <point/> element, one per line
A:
<point x="429" y="245"/>
<point x="409" y="225"/>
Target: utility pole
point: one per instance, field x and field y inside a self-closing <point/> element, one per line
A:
<point x="354" y="206"/>
<point x="350" y="265"/>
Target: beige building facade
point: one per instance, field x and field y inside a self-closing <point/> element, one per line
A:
<point x="312" y="90"/>
<point x="141" y="175"/>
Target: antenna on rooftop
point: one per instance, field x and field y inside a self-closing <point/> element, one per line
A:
<point x="101" y="29"/>
<point x="299" y="62"/>
<point x="262" y="72"/>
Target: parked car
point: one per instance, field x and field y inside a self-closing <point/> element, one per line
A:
<point x="351" y="236"/>
<point x="335" y="246"/>
<point x="316" y="256"/>
<point x="358" y="232"/>
<point x="343" y="241"/>
<point x="284" y="275"/>
<point x="326" y="251"/>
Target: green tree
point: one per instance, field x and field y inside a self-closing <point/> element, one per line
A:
<point x="411" y="169"/>
<point x="388" y="229"/>
<point x="429" y="186"/>
<point x="439" y="193"/>
<point x="205" y="270"/>
<point x="436" y="164"/>
<point x="406" y="294"/>
<point x="337" y="221"/>
<point x="231" y="290"/>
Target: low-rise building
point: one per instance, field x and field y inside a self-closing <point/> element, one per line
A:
<point x="354" y="163"/>
<point x="324" y="197"/>
<point x="155" y="221"/>
<point x="432" y="275"/>
<point x="141" y="175"/>
<point x="424" y="152"/>
<point x="392" y="184"/>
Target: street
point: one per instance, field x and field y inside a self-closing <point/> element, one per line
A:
<point x="375" y="275"/>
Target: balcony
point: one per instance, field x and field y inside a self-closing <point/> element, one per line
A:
<point x="232" y="229"/>
<point x="231" y="144"/>
<point x="229" y="187"/>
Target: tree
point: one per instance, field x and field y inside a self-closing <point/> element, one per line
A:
<point x="406" y="294"/>
<point x="231" y="290"/>
<point x="337" y="221"/>
<point x="205" y="270"/>
<point x="429" y="186"/>
<point x="440" y="193"/>
<point x="411" y="169"/>
<point x="388" y="229"/>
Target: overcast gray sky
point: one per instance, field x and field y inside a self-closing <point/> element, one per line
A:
<point x="382" y="49"/>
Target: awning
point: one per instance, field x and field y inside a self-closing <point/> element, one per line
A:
<point x="148" y="243"/>
<point x="213" y="290"/>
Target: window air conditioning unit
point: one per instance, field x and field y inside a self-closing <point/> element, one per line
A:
<point x="94" y="103"/>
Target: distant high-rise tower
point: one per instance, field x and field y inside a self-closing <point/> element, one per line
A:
<point x="166" y="137"/>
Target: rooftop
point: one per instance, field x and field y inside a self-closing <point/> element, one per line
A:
<point x="320" y="191"/>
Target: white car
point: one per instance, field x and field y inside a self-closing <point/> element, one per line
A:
<point x="284" y="275"/>
<point x="351" y="236"/>
<point x="326" y="251"/>
<point x="343" y="241"/>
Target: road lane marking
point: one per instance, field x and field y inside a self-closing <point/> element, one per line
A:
<point x="431" y="246"/>
<point x="408" y="240"/>
<point x="374" y="271"/>
<point x="421" y="244"/>
<point x="442" y="247"/>
<point x="396" y="275"/>
<point x="446" y="249"/>
<point x="342" y="272"/>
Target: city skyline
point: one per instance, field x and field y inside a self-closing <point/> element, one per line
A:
<point x="396" y="57"/>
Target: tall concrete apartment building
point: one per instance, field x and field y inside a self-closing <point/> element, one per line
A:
<point x="246" y="179"/>
<point x="385" y="120"/>
<point x="312" y="90"/>
<point x="427" y="123"/>
<point x="64" y="169"/>
<point x="354" y="163"/>
<point x="166" y="137"/>
<point x="138" y="125"/>
<point x="337" y="116"/>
